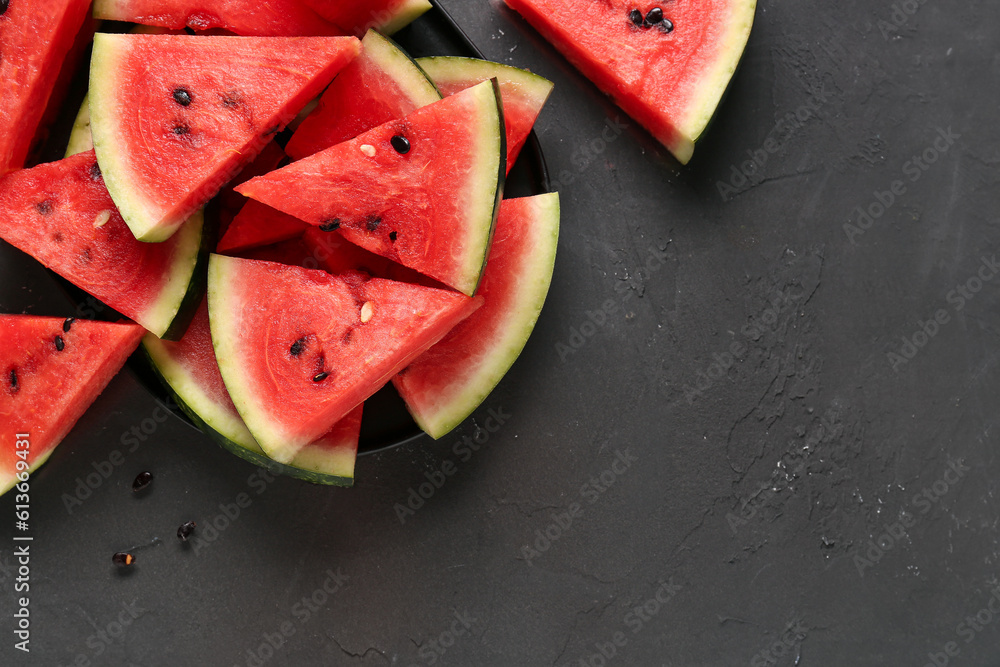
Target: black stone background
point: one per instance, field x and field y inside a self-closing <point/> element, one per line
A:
<point x="811" y="410"/>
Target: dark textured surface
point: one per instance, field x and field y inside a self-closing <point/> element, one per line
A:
<point x="746" y="506"/>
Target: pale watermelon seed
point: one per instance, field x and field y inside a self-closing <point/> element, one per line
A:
<point x="367" y="311"/>
<point x="368" y="150"/>
<point x="401" y="144"/>
<point x="182" y="96"/>
<point x="60" y="343"/>
<point x="102" y="219"/>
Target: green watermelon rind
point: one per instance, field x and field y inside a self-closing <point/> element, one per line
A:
<point x="111" y="152"/>
<point x="169" y="316"/>
<point x="480" y="381"/>
<point x="409" y="11"/>
<point x="492" y="141"/>
<point x="404" y="70"/>
<point x="230" y="433"/>
<point x="80" y="138"/>
<point x="459" y="68"/>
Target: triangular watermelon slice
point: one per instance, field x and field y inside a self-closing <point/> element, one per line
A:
<point x="445" y="384"/>
<point x="299" y="349"/>
<point x="35" y="38"/>
<point x="422" y="191"/>
<point x="51" y="370"/>
<point x="62" y="215"/>
<point x="174" y="117"/>
<point x="189" y="370"/>
<point x="383" y="83"/>
<point x="273" y="18"/>
<point x="666" y="65"/>
<point x="524" y="94"/>
<point x="358" y="16"/>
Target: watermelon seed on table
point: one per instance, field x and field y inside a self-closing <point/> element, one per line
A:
<point x="122" y="558"/>
<point x="142" y="480"/>
<point x="185" y="530"/>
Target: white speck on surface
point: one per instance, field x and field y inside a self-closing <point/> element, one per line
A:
<point x="102" y="219"/>
<point x="368" y="150"/>
<point x="367" y="310"/>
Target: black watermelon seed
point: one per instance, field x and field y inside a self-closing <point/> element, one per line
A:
<point x="392" y="236"/>
<point x="60" y="343"/>
<point x="122" y="558"/>
<point x="298" y="347"/>
<point x="142" y="480"/>
<point x="185" y="530"/>
<point x="373" y="223"/>
<point x="401" y="144"/>
<point x="231" y="99"/>
<point x="635" y="16"/>
<point x="44" y="207"/>
<point x="181" y="129"/>
<point x="182" y="96"/>
<point x="15" y="387"/>
<point x="68" y="323"/>
<point x="95" y="172"/>
<point x="330" y="225"/>
<point x="3" y="6"/>
<point x="654" y="16"/>
<point x="321" y="376"/>
<point x="667" y="26"/>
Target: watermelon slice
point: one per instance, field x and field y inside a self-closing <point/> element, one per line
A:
<point x="299" y="349"/>
<point x="274" y="18"/>
<point x="174" y="117"/>
<point x="445" y="384"/>
<point x="259" y="225"/>
<point x="524" y="94"/>
<point x="422" y="191"/>
<point x="381" y="84"/>
<point x="35" y="38"/>
<point x="358" y="16"/>
<point x="51" y="370"/>
<point x="666" y="64"/>
<point x="62" y="215"/>
<point x="191" y="374"/>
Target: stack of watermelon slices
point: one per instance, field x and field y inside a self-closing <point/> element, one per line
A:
<point x="384" y="253"/>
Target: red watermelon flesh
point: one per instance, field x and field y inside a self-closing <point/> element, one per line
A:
<point x="258" y="225"/>
<point x="35" y="38"/>
<point x="62" y="215"/>
<point x="273" y="18"/>
<point x="444" y="385"/>
<point x="51" y="370"/>
<point x="190" y="371"/>
<point x="358" y="16"/>
<point x="175" y="117"/>
<point x="430" y="207"/>
<point x="299" y="349"/>
<point x="381" y="84"/>
<point x="524" y="94"/>
<point x="669" y="76"/>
